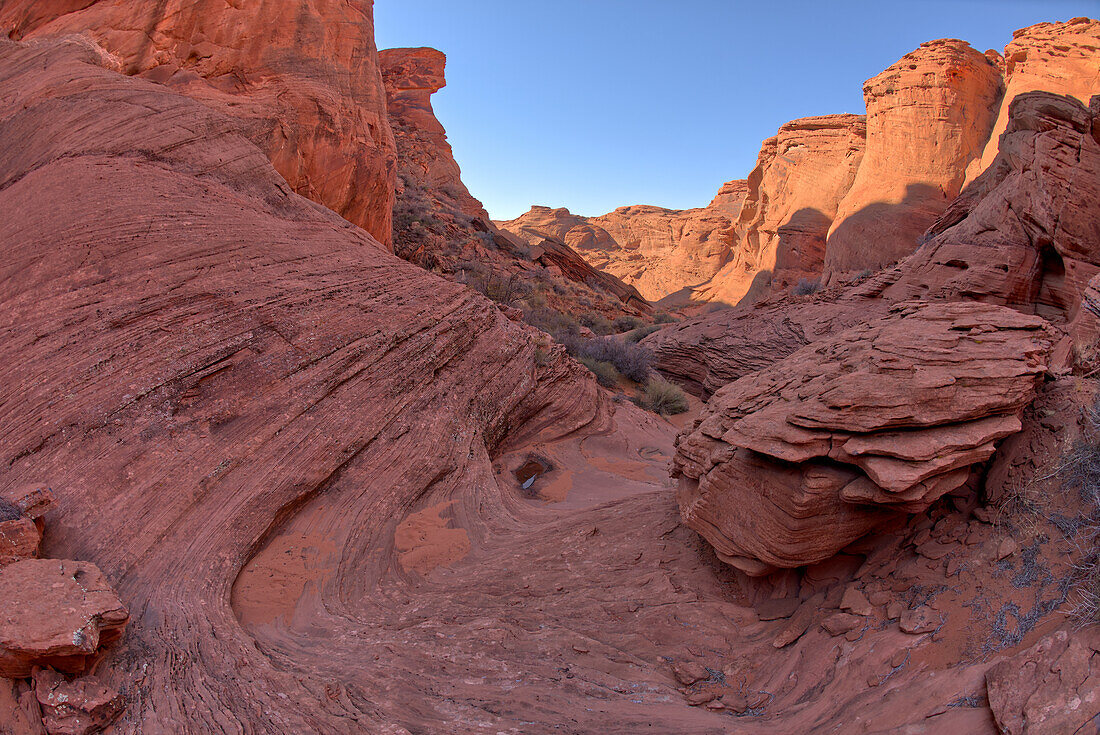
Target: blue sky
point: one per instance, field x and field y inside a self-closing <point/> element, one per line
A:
<point x="593" y="104"/>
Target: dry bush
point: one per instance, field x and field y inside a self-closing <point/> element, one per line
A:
<point x="663" y="397"/>
<point x="605" y="372"/>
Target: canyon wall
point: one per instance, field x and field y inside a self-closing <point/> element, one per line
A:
<point x="659" y="251"/>
<point x="835" y="197"/>
<point x="301" y="76"/>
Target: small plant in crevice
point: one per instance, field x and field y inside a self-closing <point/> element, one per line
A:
<point x="662" y="397"/>
<point x="805" y="287"/>
<point x="605" y="372"/>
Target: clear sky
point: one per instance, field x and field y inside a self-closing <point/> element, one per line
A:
<point x="594" y="104"/>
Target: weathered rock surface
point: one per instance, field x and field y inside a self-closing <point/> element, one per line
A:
<point x="788" y="466"/>
<point x="20" y="527"/>
<point x="55" y="613"/>
<point x="302" y="76"/>
<point x="793" y="193"/>
<point x="79" y="707"/>
<point x="659" y="251"/>
<point x="928" y="116"/>
<point x="1051" y="688"/>
<point x="1061" y="58"/>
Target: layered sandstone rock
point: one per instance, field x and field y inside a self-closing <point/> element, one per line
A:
<point x="411" y="77"/>
<point x="1052" y="57"/>
<point x="55" y="613"/>
<point x="79" y="707"/>
<point x="980" y="248"/>
<point x="928" y="116"/>
<point x="791" y="464"/>
<point x="1051" y="688"/>
<point x="659" y="251"/>
<point x="800" y="177"/>
<point x="302" y="76"/>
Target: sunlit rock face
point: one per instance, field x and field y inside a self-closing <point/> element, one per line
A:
<point x="659" y="251"/>
<point x="302" y="76"/>
<point x="928" y="116"/>
<point x="800" y="177"/>
<point x="1052" y="57"/>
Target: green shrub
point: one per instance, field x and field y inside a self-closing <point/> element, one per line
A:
<point x="626" y="323"/>
<point x="598" y="323"/>
<point x="605" y="372"/>
<point x="663" y="317"/>
<point x="663" y="397"/>
<point x="641" y="333"/>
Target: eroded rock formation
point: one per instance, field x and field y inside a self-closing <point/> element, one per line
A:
<point x="793" y="193"/>
<point x="1051" y="57"/>
<point x="438" y="224"/>
<point x="302" y="76"/>
<point x="659" y="251"/>
<point x="980" y="248"/>
<point x="787" y="466"/>
<point x="928" y="116"/>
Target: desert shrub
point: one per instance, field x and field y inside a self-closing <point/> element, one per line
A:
<point x="663" y="317"/>
<point x="598" y="323"/>
<point x="605" y="372"/>
<point x="631" y="360"/>
<point x="663" y="397"/>
<point x="562" y="327"/>
<point x="640" y="333"/>
<point x="714" y="306"/>
<point x="536" y="300"/>
<point x="626" y="323"/>
<point x="1080" y="472"/>
<point x="805" y="287"/>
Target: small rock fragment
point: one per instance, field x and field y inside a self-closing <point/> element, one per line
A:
<point x="78" y="707"/>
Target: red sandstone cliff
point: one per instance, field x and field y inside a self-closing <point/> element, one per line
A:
<point x="659" y="251"/>
<point x="302" y="76"/>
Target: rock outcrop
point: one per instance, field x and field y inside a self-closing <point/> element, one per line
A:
<point x="21" y="511"/>
<point x="55" y="613"/>
<point x="1051" y="688"/>
<point x="979" y="249"/>
<point x="1061" y="58"/>
<point x="928" y="116"/>
<point x="302" y="76"/>
<point x="78" y="707"/>
<point x="439" y="225"/>
<point x="793" y="193"/>
<point x="789" y="465"/>
<point x="658" y="251"/>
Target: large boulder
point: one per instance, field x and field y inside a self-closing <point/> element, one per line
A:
<point x="1051" y="688"/>
<point x="55" y="613"/>
<point x="789" y="465"/>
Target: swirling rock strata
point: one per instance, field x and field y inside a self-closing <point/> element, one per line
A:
<point x="789" y="465"/>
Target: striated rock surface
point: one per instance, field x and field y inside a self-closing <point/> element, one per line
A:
<point x="928" y="116"/>
<point x="1051" y="688"/>
<point x="55" y="613"/>
<point x="789" y="465"/>
<point x="800" y="177"/>
<point x="659" y="251"/>
<point x="1061" y="58"/>
<point x="301" y="76"/>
